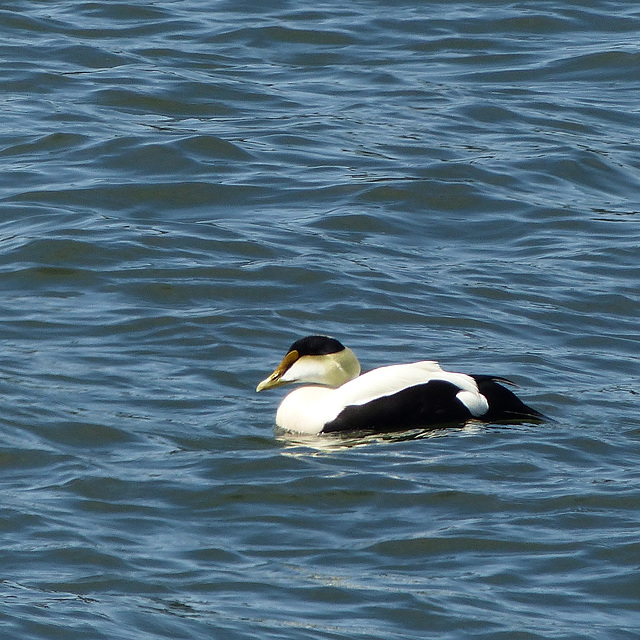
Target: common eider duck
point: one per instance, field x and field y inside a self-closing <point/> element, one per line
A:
<point x="391" y="398"/>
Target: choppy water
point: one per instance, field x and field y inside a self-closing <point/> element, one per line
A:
<point x="188" y="187"/>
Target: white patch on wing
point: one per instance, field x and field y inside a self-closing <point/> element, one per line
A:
<point x="475" y="402"/>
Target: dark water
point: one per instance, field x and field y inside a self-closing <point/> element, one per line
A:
<point x="187" y="187"/>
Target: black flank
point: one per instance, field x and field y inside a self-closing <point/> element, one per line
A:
<point x="429" y="404"/>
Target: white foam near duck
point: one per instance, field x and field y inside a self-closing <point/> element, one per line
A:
<point x="392" y="398"/>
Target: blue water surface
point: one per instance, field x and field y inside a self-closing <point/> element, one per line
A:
<point x="187" y="187"/>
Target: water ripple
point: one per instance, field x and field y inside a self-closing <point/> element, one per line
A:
<point x="185" y="192"/>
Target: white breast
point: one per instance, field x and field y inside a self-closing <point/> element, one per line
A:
<point x="304" y="410"/>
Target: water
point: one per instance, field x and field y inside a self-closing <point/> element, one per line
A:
<point x="186" y="188"/>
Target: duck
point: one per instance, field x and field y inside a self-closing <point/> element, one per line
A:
<point x="337" y="397"/>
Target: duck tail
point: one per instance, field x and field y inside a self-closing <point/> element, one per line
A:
<point x="503" y="403"/>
